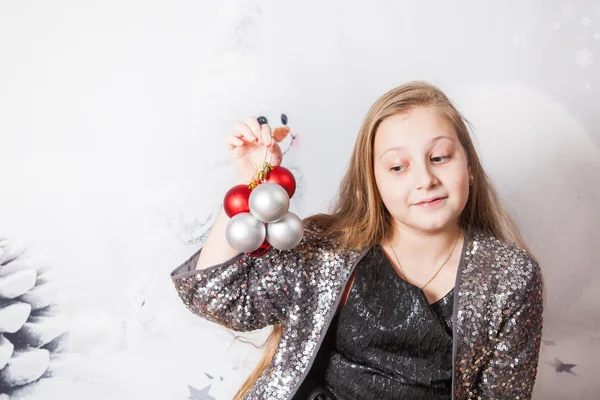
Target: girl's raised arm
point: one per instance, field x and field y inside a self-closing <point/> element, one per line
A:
<point x="226" y="286"/>
<point x="243" y="293"/>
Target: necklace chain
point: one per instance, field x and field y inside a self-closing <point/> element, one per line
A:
<point x="439" y="269"/>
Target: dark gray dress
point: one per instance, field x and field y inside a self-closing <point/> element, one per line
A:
<point x="387" y="342"/>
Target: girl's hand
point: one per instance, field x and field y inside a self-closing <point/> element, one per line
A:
<point x="247" y="147"/>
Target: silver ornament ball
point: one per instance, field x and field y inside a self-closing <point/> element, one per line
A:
<point x="269" y="202"/>
<point x="286" y="233"/>
<point x="245" y="233"/>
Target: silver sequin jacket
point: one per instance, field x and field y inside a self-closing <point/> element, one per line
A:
<point x="497" y="320"/>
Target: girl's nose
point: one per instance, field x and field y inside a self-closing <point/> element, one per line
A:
<point x="425" y="178"/>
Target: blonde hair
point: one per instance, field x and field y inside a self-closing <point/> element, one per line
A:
<point x="359" y="218"/>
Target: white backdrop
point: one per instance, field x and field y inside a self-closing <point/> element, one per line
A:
<point x="112" y="163"/>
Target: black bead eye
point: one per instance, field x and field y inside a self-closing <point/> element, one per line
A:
<point x="284" y="119"/>
<point x="262" y="120"/>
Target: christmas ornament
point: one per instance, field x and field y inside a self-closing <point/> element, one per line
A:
<point x="259" y="212"/>
<point x="244" y="232"/>
<point x="286" y="233"/>
<point x="269" y="202"/>
<point x="236" y="200"/>
<point x="283" y="177"/>
<point x="262" y="250"/>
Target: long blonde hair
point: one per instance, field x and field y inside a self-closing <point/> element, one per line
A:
<point x="358" y="216"/>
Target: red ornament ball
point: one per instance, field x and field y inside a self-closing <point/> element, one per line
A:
<point x="262" y="250"/>
<point x="284" y="177"/>
<point x="236" y="200"/>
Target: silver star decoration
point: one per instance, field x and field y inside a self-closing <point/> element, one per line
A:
<point x="196" y="394"/>
<point x="560" y="366"/>
<point x="583" y="57"/>
<point x="212" y="377"/>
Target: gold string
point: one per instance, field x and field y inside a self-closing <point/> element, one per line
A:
<point x="263" y="169"/>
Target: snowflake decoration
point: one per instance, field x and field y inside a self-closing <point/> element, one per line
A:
<point x="583" y="57"/>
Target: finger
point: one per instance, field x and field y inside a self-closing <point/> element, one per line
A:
<point x="240" y="127"/>
<point x="275" y="154"/>
<point x="252" y="122"/>
<point x="244" y="132"/>
<point x="233" y="142"/>
<point x="240" y="135"/>
<point x="266" y="135"/>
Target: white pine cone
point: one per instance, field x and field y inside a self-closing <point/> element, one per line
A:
<point x="31" y="331"/>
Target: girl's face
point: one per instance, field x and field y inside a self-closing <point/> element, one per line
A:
<point x="421" y="170"/>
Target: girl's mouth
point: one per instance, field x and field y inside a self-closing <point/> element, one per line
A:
<point x="431" y="202"/>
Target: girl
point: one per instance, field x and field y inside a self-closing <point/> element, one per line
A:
<point x="418" y="285"/>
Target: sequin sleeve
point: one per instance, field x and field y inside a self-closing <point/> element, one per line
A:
<point x="511" y="370"/>
<point x="244" y="293"/>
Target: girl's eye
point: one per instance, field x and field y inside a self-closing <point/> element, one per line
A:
<point x="440" y="159"/>
<point x="397" y="168"/>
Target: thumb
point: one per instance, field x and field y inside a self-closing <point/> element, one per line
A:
<point x="275" y="154"/>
